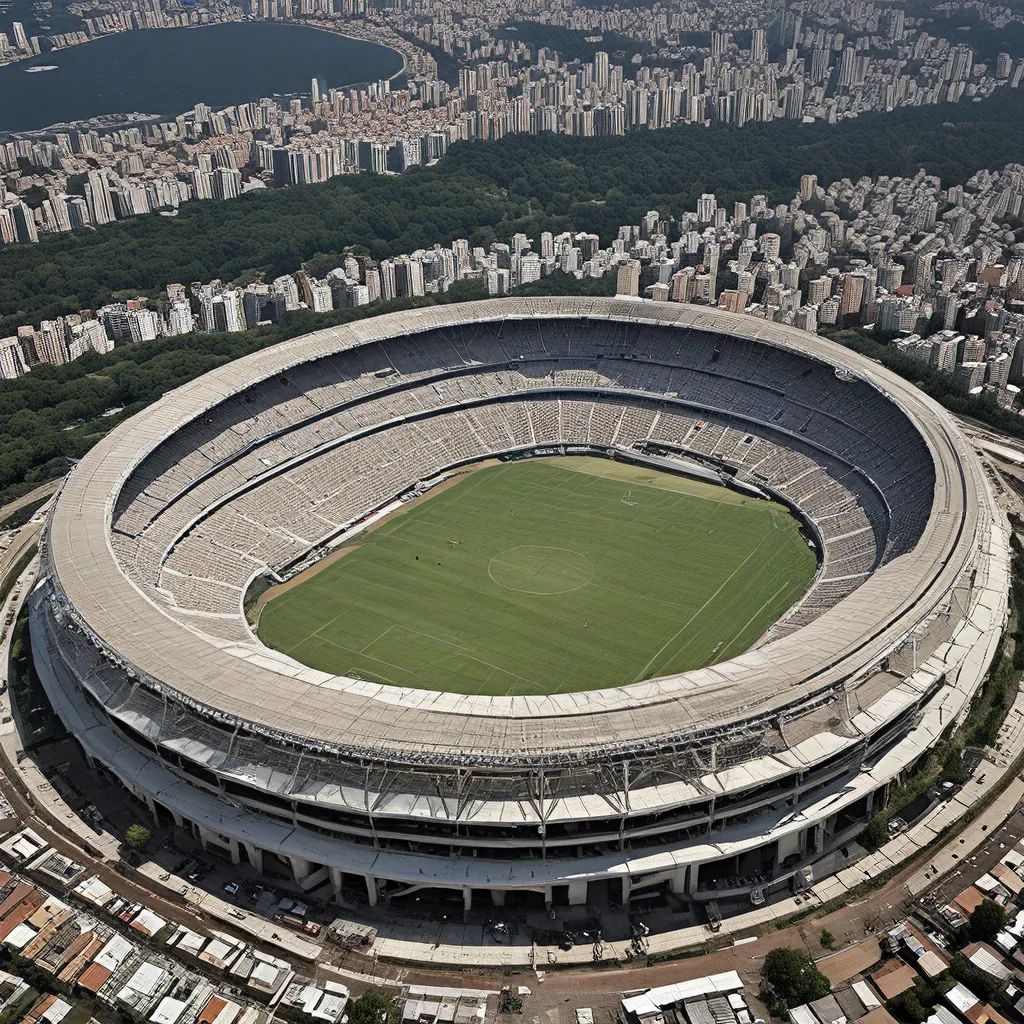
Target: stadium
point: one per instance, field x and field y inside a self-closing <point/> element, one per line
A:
<point x="741" y="772"/>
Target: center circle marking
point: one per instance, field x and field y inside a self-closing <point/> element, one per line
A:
<point x="541" y="571"/>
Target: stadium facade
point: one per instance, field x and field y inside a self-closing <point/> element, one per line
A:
<point x="709" y="783"/>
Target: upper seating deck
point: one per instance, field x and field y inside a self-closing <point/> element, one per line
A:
<point x="281" y="466"/>
<point x="307" y="405"/>
<point x="904" y="442"/>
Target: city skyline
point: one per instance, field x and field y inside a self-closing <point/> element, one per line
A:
<point x="832" y="61"/>
<point x="931" y="267"/>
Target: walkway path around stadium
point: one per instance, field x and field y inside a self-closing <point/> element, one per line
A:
<point x="447" y="954"/>
<point x="420" y="949"/>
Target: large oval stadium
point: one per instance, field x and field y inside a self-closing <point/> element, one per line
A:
<point x="707" y="761"/>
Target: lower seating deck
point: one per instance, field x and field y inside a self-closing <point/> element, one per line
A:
<point x="299" y="457"/>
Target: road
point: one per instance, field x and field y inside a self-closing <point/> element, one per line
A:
<point x="578" y="986"/>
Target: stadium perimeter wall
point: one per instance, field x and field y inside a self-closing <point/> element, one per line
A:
<point x="829" y="799"/>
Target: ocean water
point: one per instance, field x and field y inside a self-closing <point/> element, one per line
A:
<point x="168" y="71"/>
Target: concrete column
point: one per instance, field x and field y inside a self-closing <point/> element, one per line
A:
<point x="577" y="894"/>
<point x="819" y="837"/>
<point x="151" y="804"/>
<point x="178" y="820"/>
<point x="626" y="888"/>
<point x="335" y="874"/>
<point x="804" y="835"/>
<point x="498" y="897"/>
<point x="548" y="896"/>
<point x="208" y="837"/>
<point x="300" y="867"/>
<point x="677" y="883"/>
<point x="467" y="903"/>
<point x="255" y="856"/>
<point x="371" y="890"/>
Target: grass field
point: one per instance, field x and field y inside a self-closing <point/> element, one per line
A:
<point x="548" y="576"/>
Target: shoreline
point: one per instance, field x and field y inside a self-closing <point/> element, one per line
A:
<point x="359" y="39"/>
<point x="119" y="119"/>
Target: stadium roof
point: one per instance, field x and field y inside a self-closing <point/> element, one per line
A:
<point x="252" y="685"/>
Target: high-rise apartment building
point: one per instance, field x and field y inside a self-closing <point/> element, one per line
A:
<point x="627" y="280"/>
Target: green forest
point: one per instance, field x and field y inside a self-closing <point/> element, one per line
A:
<point x="483" y="191"/>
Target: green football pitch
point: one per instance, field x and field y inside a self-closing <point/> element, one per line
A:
<point x="547" y="576"/>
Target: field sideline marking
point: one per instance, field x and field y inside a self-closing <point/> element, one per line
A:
<point x="375" y="639"/>
<point x="457" y="644"/>
<point x="369" y="657"/>
<point x="764" y="604"/>
<point x="773" y="559"/>
<point x="462" y="648"/>
<point x="725" y="582"/>
<point x="315" y="633"/>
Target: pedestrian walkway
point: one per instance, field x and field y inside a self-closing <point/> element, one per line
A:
<point x="898" y="852"/>
<point x="455" y="945"/>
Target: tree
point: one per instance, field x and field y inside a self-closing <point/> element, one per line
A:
<point x="914" y="1006"/>
<point x="953" y="768"/>
<point x="508" y="1003"/>
<point x="137" y="836"/>
<point x="374" y="1006"/>
<point x="908" y="1007"/>
<point x="978" y="981"/>
<point x="793" y="978"/>
<point x="875" y="833"/>
<point x="828" y="940"/>
<point x="988" y="919"/>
